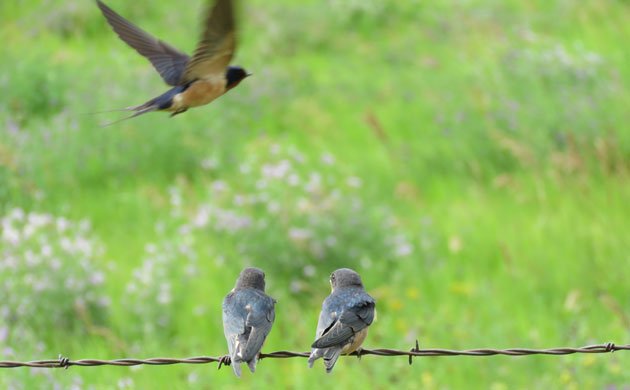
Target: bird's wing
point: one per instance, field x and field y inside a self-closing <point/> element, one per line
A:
<point x="233" y="322"/>
<point x="327" y="317"/>
<point x="167" y="60"/>
<point x="260" y="318"/>
<point x="216" y="47"/>
<point x="357" y="316"/>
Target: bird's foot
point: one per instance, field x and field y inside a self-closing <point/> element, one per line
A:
<point x="181" y="110"/>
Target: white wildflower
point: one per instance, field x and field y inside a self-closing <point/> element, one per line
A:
<point x="328" y="159"/>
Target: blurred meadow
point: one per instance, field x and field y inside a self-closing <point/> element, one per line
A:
<point x="470" y="159"/>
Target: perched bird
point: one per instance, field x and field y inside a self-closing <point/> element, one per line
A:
<point x="343" y="323"/>
<point x="248" y="315"/>
<point x="196" y="80"/>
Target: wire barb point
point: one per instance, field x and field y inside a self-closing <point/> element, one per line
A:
<point x="64" y="362"/>
<point x="224" y="360"/>
<point x="413" y="350"/>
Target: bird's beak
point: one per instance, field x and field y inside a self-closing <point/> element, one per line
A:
<point x="248" y="74"/>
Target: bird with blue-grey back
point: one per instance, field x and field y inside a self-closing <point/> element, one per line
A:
<point x="248" y="315"/>
<point x="196" y="80"/>
<point x="344" y="320"/>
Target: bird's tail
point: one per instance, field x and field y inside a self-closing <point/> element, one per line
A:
<point x="112" y="110"/>
<point x="315" y="354"/>
<point x="330" y="358"/>
<point x="252" y="364"/>
<point x="236" y="366"/>
<point x="135" y="114"/>
<point x="138" y="110"/>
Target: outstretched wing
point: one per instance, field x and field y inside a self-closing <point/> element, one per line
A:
<point x="216" y="47"/>
<point x="167" y="60"/>
<point x="352" y="320"/>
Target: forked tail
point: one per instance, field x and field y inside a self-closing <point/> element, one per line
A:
<point x="138" y="110"/>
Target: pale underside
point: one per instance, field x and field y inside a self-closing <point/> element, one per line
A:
<point x="357" y="341"/>
<point x="199" y="93"/>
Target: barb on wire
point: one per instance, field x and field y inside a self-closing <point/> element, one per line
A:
<point x="64" y="362"/>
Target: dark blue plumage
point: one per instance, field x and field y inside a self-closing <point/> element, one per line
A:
<point x="234" y="75"/>
<point x="346" y="314"/>
<point x="165" y="100"/>
<point x="248" y="315"/>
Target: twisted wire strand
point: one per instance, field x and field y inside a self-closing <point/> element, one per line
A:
<point x="63" y="362"/>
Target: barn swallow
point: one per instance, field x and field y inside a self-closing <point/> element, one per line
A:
<point x="196" y="80"/>
<point x="343" y="322"/>
<point x="248" y="315"/>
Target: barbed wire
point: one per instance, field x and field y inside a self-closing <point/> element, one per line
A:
<point x="63" y="362"/>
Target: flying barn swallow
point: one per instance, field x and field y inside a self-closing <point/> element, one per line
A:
<point x="248" y="314"/>
<point x="343" y="322"/>
<point x="196" y="80"/>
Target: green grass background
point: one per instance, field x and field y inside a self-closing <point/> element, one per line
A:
<point x="492" y="135"/>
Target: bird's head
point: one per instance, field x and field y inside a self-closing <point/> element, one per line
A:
<point x="234" y="75"/>
<point x="251" y="278"/>
<point x="345" y="277"/>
